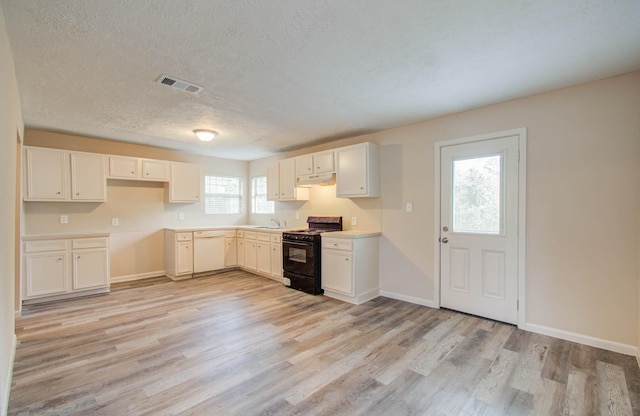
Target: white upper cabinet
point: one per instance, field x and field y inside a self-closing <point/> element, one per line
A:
<point x="184" y="185"/>
<point x="57" y="175"/>
<point x="357" y="171"/>
<point x="281" y="183"/>
<point x="321" y="162"/>
<point x="47" y="174"/>
<point x="121" y="167"/>
<point x="88" y="180"/>
<point x="324" y="162"/>
<point x="273" y="182"/>
<point x="155" y="170"/>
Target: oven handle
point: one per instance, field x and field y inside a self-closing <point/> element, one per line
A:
<point x="297" y="243"/>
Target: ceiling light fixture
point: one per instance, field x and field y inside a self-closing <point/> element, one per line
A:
<point x="205" y="135"/>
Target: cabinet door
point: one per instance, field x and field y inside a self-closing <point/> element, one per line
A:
<point x="47" y="174"/>
<point x="230" y="252"/>
<point x="337" y="271"/>
<point x="276" y="260"/>
<point x="90" y="269"/>
<point x="241" y="252"/>
<point x="351" y="172"/>
<point x="45" y="274"/>
<point x="304" y="165"/>
<point x="155" y="170"/>
<point x="123" y="167"/>
<point x="88" y="181"/>
<point x="263" y="253"/>
<point x="184" y="185"/>
<point x="250" y="258"/>
<point x="323" y="162"/>
<point x="273" y="183"/>
<point x="287" y="179"/>
<point x="184" y="257"/>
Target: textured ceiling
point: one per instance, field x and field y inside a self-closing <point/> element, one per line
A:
<point x="282" y="74"/>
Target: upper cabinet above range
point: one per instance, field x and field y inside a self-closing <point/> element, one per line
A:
<point x="58" y="175"/>
<point x="321" y="162"/>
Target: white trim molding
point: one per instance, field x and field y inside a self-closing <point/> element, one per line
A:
<point x="8" y="377"/>
<point x="522" y="183"/>
<point x="139" y="276"/>
<point x="411" y="299"/>
<point x="583" y="339"/>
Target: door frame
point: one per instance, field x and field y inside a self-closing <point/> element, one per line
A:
<point x="521" y="133"/>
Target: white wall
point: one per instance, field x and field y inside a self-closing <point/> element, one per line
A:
<point x="137" y="244"/>
<point x="10" y="126"/>
<point x="583" y="200"/>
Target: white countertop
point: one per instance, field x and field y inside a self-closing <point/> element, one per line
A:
<point x="259" y="228"/>
<point x="62" y="236"/>
<point x="352" y="234"/>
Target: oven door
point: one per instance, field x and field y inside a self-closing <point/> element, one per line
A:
<point x="298" y="257"/>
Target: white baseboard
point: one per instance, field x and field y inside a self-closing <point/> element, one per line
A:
<point x="584" y="339"/>
<point x="7" y="388"/>
<point x="140" y="276"/>
<point x="411" y="299"/>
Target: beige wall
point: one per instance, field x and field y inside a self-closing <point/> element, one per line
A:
<point x="137" y="244"/>
<point x="10" y="127"/>
<point x="583" y="181"/>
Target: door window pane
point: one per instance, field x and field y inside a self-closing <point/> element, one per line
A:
<point x="477" y="196"/>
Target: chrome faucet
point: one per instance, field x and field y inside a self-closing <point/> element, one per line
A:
<point x="285" y="224"/>
<point x="276" y="222"/>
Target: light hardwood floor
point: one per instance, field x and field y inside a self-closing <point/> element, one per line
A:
<point x="238" y="344"/>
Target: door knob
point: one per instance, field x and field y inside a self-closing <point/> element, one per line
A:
<point x="445" y="240"/>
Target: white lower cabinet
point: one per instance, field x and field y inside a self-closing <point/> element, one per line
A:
<point x="276" y="256"/>
<point x="350" y="268"/>
<point x="263" y="253"/>
<point x="241" y="249"/>
<point x="250" y="247"/>
<point x="64" y="267"/>
<point x="230" y="249"/>
<point x="178" y="254"/>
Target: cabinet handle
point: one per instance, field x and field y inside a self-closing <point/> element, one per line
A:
<point x="346" y="259"/>
<point x="147" y="173"/>
<point x="78" y="258"/>
<point x="77" y="193"/>
<point x="362" y="187"/>
<point x="58" y="193"/>
<point x="59" y="258"/>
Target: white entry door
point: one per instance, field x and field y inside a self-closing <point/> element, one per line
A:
<point x="479" y="228"/>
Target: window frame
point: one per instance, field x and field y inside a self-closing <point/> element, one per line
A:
<point x="254" y="195"/>
<point x="239" y="195"/>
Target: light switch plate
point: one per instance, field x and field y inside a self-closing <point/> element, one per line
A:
<point x="354" y="221"/>
<point x="64" y="219"/>
<point x="409" y="206"/>
<point x="115" y="222"/>
<point x="181" y="215"/>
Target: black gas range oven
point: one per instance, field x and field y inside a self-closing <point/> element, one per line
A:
<point x="301" y="254"/>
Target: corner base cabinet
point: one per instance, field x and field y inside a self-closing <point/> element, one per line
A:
<point x="62" y="267"/>
<point x="350" y="267"/>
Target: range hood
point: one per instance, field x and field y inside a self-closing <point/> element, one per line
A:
<point x="321" y="179"/>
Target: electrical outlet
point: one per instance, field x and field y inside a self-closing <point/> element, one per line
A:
<point x="297" y="215"/>
<point x="181" y="215"/>
<point x="64" y="219"/>
<point x="354" y="221"/>
<point x="409" y="206"/>
<point x="115" y="222"/>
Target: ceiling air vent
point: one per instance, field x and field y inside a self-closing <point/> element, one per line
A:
<point x="180" y="84"/>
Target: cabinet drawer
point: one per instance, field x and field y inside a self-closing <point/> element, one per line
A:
<point x="276" y="238"/>
<point x="337" y="244"/>
<point x="45" y="245"/>
<point x="263" y="237"/>
<point x="89" y="243"/>
<point x="184" y="236"/>
<point x="230" y="233"/>
<point x="240" y="233"/>
<point x="250" y="235"/>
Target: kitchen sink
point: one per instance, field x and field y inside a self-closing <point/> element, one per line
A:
<point x="268" y="227"/>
